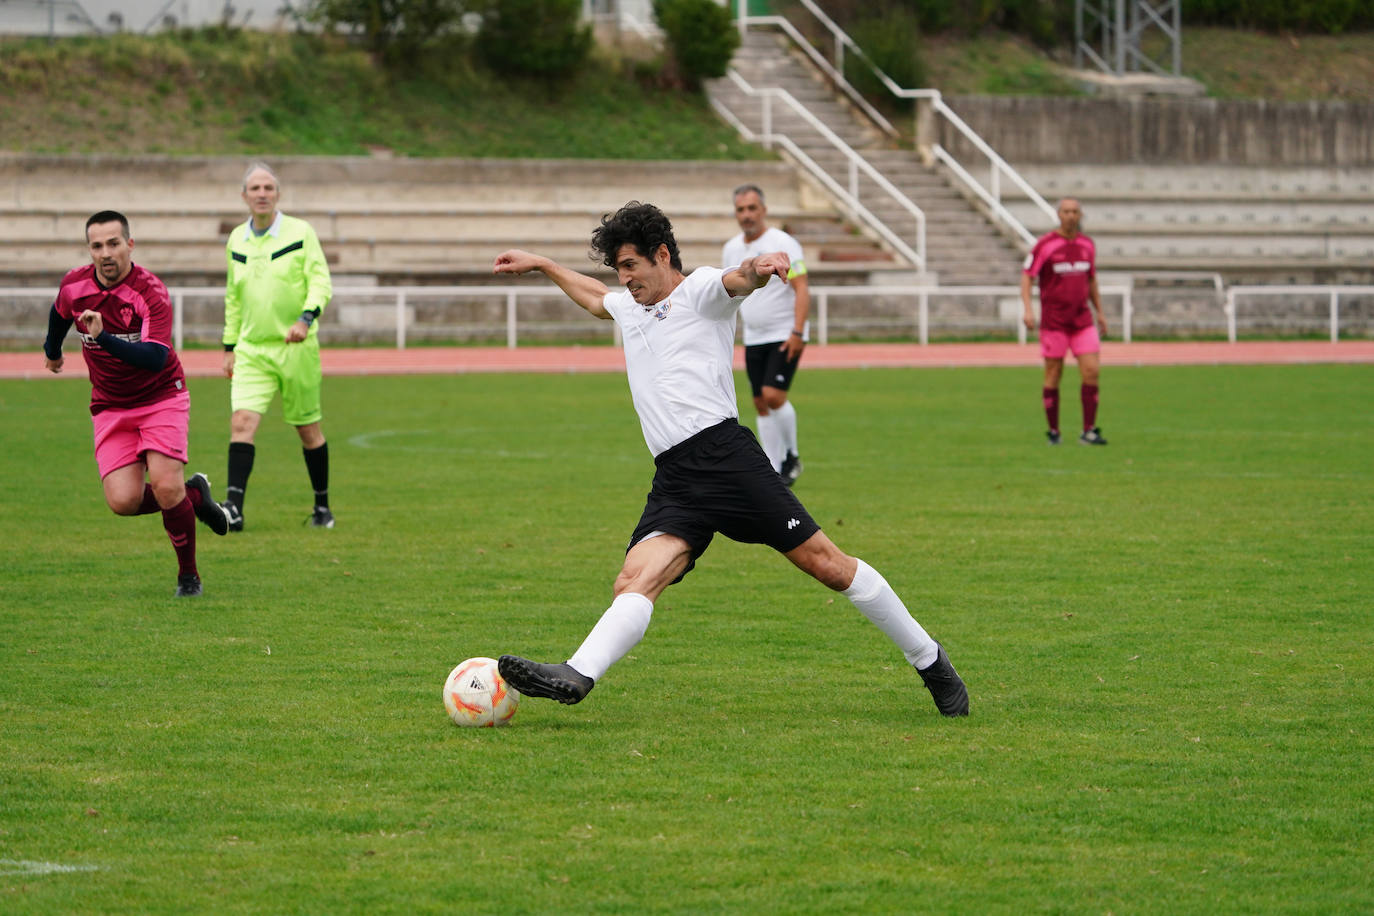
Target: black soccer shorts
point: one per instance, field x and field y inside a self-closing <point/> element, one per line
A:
<point x="719" y="480"/>
<point x="767" y="364"/>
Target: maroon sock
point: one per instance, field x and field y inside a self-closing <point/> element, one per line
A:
<point x="1051" y="399"/>
<point x="180" y="522"/>
<point x="149" y="504"/>
<point x="1089" y="396"/>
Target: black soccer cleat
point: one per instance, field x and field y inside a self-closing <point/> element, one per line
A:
<point x="945" y="685"/>
<point x="1092" y="437"/>
<point x="320" y="517"/>
<point x="791" y="468"/>
<point x="235" y="515"/>
<point x="188" y="586"/>
<point x="563" y="683"/>
<point x="212" y="514"/>
<point x="1053" y="436"/>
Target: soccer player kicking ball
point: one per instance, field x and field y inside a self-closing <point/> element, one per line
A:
<point x="140" y="407"/>
<point x="711" y="476"/>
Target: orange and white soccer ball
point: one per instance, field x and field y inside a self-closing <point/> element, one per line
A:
<point x="476" y="696"/>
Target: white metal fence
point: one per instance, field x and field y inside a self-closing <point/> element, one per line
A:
<point x="1333" y="294"/>
<point x="913" y="310"/>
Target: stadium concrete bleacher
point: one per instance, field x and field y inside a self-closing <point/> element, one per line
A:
<point x="1252" y="224"/>
<point x="394" y="220"/>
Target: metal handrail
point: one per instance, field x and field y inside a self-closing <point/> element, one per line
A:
<point x="857" y="163"/>
<point x="403" y="295"/>
<point x="984" y="195"/>
<point x="1000" y="168"/>
<point x="1333" y="292"/>
<point x="821" y="295"/>
<point x="824" y="66"/>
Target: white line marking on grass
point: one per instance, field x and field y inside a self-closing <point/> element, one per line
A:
<point x="27" y="867"/>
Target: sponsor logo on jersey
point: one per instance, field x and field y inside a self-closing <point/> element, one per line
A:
<point x="1072" y="267"/>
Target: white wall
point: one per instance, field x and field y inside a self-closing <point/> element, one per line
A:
<point x="93" y="17"/>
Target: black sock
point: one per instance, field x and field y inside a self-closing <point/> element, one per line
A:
<point x="240" y="466"/>
<point x="317" y="465"/>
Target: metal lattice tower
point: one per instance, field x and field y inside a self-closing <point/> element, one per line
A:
<point x="1109" y="33"/>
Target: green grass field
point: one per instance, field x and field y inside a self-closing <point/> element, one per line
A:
<point x="1167" y="642"/>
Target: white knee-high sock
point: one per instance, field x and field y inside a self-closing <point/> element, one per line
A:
<point x="786" y="417"/>
<point x="615" y="634"/>
<point x="770" y="437"/>
<point x="879" y="603"/>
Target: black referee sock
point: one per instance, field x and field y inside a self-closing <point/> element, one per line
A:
<point x="240" y="466"/>
<point x="317" y="465"/>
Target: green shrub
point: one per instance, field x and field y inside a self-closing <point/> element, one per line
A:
<point x="393" y="29"/>
<point x="539" y="38"/>
<point x="1329" y="16"/>
<point x="890" y="41"/>
<point x="701" y="37"/>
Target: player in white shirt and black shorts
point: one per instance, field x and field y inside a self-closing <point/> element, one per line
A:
<point x="775" y="328"/>
<point x="711" y="475"/>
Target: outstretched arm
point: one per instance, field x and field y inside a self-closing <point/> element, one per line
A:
<point x="755" y="272"/>
<point x="586" y="291"/>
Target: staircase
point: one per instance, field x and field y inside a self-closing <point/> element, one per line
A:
<point x="963" y="248"/>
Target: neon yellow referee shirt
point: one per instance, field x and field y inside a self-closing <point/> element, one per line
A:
<point x="272" y="278"/>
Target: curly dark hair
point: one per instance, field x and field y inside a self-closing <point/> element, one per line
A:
<point x="641" y="225"/>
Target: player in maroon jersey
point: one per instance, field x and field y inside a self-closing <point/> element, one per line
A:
<point x="140" y="407"/>
<point x="1065" y="263"/>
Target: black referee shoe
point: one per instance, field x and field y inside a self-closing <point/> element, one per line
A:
<point x="212" y="514"/>
<point x="235" y="515"/>
<point x="945" y="685"/>
<point x="791" y="468"/>
<point x="563" y="683"/>
<point x="188" y="586"/>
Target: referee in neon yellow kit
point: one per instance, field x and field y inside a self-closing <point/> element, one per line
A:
<point x="278" y="284"/>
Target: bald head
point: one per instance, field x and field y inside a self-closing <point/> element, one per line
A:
<point x="1070" y="216"/>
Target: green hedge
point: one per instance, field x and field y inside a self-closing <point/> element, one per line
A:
<point x="1050" y="22"/>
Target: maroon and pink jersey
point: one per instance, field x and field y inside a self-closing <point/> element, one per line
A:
<point x="1065" y="269"/>
<point x="136" y="309"/>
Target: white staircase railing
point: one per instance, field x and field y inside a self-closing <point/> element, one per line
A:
<point x="849" y="196"/>
<point x="999" y="170"/>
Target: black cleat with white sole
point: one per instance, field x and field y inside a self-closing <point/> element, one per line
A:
<point x="945" y="685"/>
<point x="563" y="682"/>
<point x="211" y="514"/>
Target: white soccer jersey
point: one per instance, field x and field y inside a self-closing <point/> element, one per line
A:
<point x="768" y="312"/>
<point x="678" y="356"/>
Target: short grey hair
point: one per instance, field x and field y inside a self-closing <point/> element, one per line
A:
<point x="260" y="166"/>
<point x="746" y="188"/>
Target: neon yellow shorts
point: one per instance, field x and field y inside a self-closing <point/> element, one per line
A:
<point x="261" y="370"/>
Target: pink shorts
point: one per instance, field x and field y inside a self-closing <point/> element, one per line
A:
<point x="1054" y="344"/>
<point x="123" y="436"/>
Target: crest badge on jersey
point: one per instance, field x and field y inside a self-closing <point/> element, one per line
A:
<point x="662" y="309"/>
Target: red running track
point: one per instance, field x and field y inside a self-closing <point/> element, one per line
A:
<point x="423" y="360"/>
